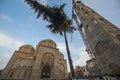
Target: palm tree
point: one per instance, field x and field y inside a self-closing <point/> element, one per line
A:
<point x="59" y="22"/>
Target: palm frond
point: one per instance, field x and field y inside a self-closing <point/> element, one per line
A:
<point x="55" y="15"/>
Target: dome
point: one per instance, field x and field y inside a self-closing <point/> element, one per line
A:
<point x="27" y="49"/>
<point x="47" y="42"/>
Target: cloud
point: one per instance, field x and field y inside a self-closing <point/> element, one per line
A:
<point x="80" y="55"/>
<point x="4" y="58"/>
<point x="83" y="57"/>
<point x="61" y="47"/>
<point x="9" y="42"/>
<point x="6" y="18"/>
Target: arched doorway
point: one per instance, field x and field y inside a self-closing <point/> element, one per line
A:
<point x="45" y="72"/>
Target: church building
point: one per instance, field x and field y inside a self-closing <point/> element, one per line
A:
<point x="46" y="61"/>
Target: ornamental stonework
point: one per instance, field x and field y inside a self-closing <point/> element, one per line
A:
<point x="45" y="61"/>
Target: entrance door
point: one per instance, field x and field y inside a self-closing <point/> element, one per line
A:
<point x="45" y="72"/>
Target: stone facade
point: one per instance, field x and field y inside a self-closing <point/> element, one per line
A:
<point x="81" y="71"/>
<point x="92" y="67"/>
<point x="46" y="61"/>
<point x="103" y="38"/>
<point x="78" y="71"/>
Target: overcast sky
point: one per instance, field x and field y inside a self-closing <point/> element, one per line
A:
<point x="19" y="26"/>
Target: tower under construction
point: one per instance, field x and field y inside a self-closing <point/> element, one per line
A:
<point x="101" y="37"/>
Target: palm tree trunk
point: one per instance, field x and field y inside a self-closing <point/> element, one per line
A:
<point x="69" y="55"/>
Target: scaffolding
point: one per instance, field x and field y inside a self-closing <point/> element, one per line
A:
<point x="82" y="33"/>
<point x="80" y="28"/>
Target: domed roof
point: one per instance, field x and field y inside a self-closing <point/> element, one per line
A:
<point x="27" y="49"/>
<point x="47" y="42"/>
<point x="26" y="46"/>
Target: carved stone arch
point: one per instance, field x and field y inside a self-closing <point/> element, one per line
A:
<point x="11" y="73"/>
<point x="47" y="59"/>
<point x="47" y="63"/>
<point x="28" y="72"/>
<point x="101" y="54"/>
<point x="18" y="67"/>
<point x="22" y="72"/>
<point x="19" y="72"/>
<point x="14" y="60"/>
<point x="101" y="47"/>
<point x="17" y="61"/>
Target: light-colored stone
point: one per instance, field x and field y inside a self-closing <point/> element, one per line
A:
<point x="103" y="38"/>
<point x="30" y="63"/>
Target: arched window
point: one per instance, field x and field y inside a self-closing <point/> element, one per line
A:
<point x="101" y="47"/>
<point x="101" y="52"/>
<point x="48" y="59"/>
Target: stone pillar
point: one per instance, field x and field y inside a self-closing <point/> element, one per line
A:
<point x="28" y="72"/>
<point x="22" y="73"/>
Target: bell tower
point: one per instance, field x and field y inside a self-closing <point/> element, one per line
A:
<point x="102" y="36"/>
